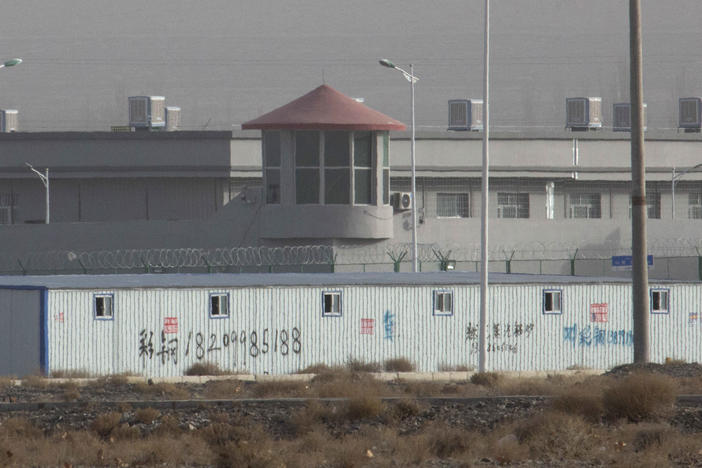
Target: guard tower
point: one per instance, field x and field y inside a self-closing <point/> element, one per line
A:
<point x="326" y="169"/>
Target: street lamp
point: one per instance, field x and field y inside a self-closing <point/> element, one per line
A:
<point x="674" y="180"/>
<point x="44" y="180"/>
<point x="409" y="76"/>
<point x="11" y="62"/>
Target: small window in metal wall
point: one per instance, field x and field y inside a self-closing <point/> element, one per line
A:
<point x="660" y="301"/>
<point x="103" y="306"/>
<point x="443" y="302"/>
<point x="552" y="302"/>
<point x="331" y="303"/>
<point x="219" y="305"/>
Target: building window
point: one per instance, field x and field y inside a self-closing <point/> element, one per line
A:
<point x="512" y="205"/>
<point x="443" y="302"/>
<point x="386" y="168"/>
<point x="331" y="304"/>
<point x="653" y="205"/>
<point x="362" y="168"/>
<point x="659" y="301"/>
<point x="694" y="209"/>
<point x="552" y="301"/>
<point x="307" y="167"/>
<point x="337" y="172"/>
<point x="7" y="205"/>
<point x="271" y="162"/>
<point x="452" y="205"/>
<point x="103" y="306"/>
<point x="584" y="205"/>
<point x="219" y="305"/>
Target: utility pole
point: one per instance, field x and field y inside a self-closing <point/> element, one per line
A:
<point x="484" y="297"/>
<point x="638" y="192"/>
<point x="45" y="181"/>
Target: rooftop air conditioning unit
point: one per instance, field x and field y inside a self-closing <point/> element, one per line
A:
<point x="690" y="110"/>
<point x="147" y="111"/>
<point x="621" y="113"/>
<point x="465" y="114"/>
<point x="402" y="200"/>
<point x="9" y="120"/>
<point x="172" y="118"/>
<point x="583" y="113"/>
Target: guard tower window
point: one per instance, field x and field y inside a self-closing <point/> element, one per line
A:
<point x="271" y="162"/>
<point x="337" y="173"/>
<point x="307" y="167"/>
<point x="102" y="306"/>
<point x="362" y="168"/>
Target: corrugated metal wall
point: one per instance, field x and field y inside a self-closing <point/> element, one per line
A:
<point x="282" y="330"/>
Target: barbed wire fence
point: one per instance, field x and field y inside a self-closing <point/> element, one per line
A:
<point x="674" y="259"/>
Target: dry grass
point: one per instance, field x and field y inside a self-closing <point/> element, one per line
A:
<point x="346" y="384"/>
<point x="398" y="365"/>
<point x="71" y="374"/>
<point x="318" y="369"/>
<point x="640" y="397"/>
<point x="147" y="415"/>
<point x="364" y="407"/>
<point x="280" y="388"/>
<point x="486" y="379"/>
<point x="35" y="381"/>
<point x="204" y="368"/>
<point x="104" y="424"/>
<point x="223" y="389"/>
<point x="163" y="390"/>
<point x="458" y="368"/>
<point x="355" y="365"/>
<point x="580" y="401"/>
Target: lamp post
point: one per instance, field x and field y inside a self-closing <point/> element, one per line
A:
<point x="484" y="298"/>
<point x="409" y="76"/>
<point x="11" y="62"/>
<point x="44" y="180"/>
<point x="676" y="176"/>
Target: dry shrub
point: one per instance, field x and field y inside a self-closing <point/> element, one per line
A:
<point x="113" y="380"/>
<point x="71" y="374"/>
<point x="363" y="407"/>
<point x="19" y="427"/>
<point x="581" y="401"/>
<point x="346" y="384"/>
<point x="420" y="388"/>
<point x="349" y="452"/>
<point x="125" y="432"/>
<point x="6" y="381"/>
<point x="168" y="425"/>
<point x="147" y="415"/>
<point x="307" y="419"/>
<point x="104" y="424"/>
<point x="279" y="388"/>
<point x="221" y="389"/>
<point x="163" y="390"/>
<point x="356" y="365"/>
<point x="318" y="368"/>
<point x="204" y="368"/>
<point x="444" y="441"/>
<point x="552" y="436"/>
<point x="652" y="436"/>
<point x="486" y="379"/>
<point x="404" y="408"/>
<point x="639" y="397"/>
<point x="398" y="365"/>
<point x="70" y="392"/>
<point x="451" y="368"/>
<point x="35" y="381"/>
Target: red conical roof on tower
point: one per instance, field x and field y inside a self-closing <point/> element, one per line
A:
<point x="324" y="108"/>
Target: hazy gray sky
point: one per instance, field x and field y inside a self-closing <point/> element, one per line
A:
<point x="225" y="62"/>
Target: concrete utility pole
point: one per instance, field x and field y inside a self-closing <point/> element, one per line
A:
<point x="484" y="299"/>
<point x="638" y="192"/>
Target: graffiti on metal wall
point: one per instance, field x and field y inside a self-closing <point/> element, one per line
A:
<point x="242" y="345"/>
<point x="596" y="336"/>
<point x="501" y="337"/>
<point x="389" y="325"/>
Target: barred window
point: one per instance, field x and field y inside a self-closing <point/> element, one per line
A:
<point x="694" y="209"/>
<point x="584" y="205"/>
<point x="452" y="205"/>
<point x="512" y="205"/>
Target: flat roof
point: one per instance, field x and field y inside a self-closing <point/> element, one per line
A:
<point x="242" y="280"/>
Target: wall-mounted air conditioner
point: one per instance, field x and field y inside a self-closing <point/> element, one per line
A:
<point x="172" y="118"/>
<point x="465" y="114"/>
<point x="147" y="111"/>
<point x="401" y="200"/>
<point x="690" y="110"/>
<point x="9" y="120"/>
<point x="621" y="114"/>
<point x="583" y="113"/>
